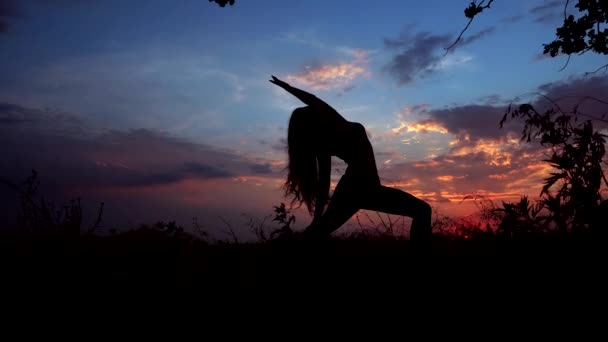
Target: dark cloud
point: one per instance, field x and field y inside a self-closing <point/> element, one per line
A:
<point x="261" y="169"/>
<point x="119" y="176"/>
<point x="549" y="12"/>
<point x="419" y="54"/>
<point x="541" y="56"/>
<point x="61" y="2"/>
<point x="8" y="10"/>
<point x="280" y="145"/>
<point x="477" y="36"/>
<point x="11" y="114"/>
<point x="26" y="119"/>
<point x="588" y="94"/>
<point x="348" y="88"/>
<point x="383" y="154"/>
<point x="35" y="139"/>
<point x="13" y="9"/>
<point x="573" y="87"/>
<point x="200" y="170"/>
<point x="477" y="121"/>
<point x="491" y="99"/>
<point x="513" y="19"/>
<point x="140" y="175"/>
<point x="549" y="18"/>
<point x="548" y="6"/>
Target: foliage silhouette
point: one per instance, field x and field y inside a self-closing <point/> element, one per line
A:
<point x="286" y="219"/>
<point x="521" y="219"/>
<point x="572" y="192"/>
<point x="575" y="36"/>
<point x="223" y="3"/>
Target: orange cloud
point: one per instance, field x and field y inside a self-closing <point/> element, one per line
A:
<point x="425" y="127"/>
<point x="332" y="76"/>
<point x="448" y="178"/>
<point x="496" y="169"/>
<point x="402" y="127"/>
<point x="528" y="179"/>
<point x="426" y="164"/>
<point x="495" y="149"/>
<point x="403" y="184"/>
<point x="420" y="127"/>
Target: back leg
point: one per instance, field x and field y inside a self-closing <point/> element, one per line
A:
<point x="395" y="201"/>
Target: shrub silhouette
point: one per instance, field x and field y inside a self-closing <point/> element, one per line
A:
<point x="37" y="215"/>
<point x="520" y="219"/>
<point x="286" y="219"/>
<point x="572" y="192"/>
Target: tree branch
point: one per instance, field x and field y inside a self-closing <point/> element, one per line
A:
<point x="447" y="50"/>
<point x="470" y="12"/>
<point x="583" y="99"/>
<point x="566" y="64"/>
<point x="605" y="67"/>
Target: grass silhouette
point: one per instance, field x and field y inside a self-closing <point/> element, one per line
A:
<point x="150" y="257"/>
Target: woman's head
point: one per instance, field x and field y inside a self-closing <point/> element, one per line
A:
<point x="302" y="142"/>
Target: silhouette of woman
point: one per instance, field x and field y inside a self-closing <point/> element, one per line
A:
<point x="315" y="134"/>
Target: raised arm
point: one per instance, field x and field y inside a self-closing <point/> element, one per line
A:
<point x="302" y="95"/>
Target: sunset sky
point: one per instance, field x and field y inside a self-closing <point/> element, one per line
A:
<point x="163" y="110"/>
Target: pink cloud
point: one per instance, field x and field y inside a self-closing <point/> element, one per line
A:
<point x="499" y="169"/>
<point x="332" y="76"/>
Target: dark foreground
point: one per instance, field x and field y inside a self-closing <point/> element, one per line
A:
<point x="150" y="259"/>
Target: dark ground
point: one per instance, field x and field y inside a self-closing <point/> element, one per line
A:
<point x="150" y="259"/>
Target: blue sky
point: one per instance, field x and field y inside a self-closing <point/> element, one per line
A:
<point x="193" y="73"/>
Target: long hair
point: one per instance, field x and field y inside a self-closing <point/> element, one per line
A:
<point x="303" y="176"/>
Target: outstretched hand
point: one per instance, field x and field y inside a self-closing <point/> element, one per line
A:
<point x="303" y="96"/>
<point x="278" y="82"/>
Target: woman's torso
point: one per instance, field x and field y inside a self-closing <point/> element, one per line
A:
<point x="350" y="143"/>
